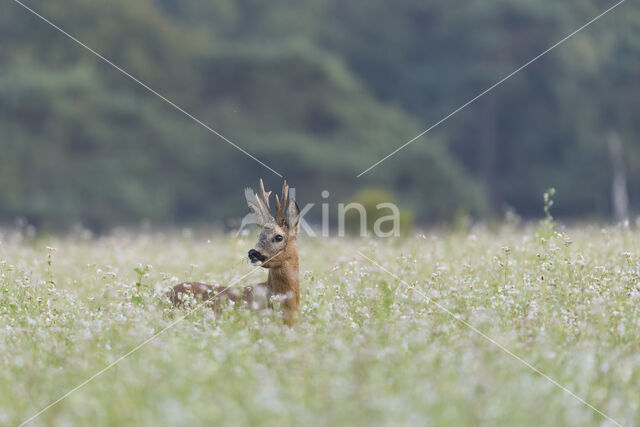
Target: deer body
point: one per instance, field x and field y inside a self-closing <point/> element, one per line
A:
<point x="276" y="250"/>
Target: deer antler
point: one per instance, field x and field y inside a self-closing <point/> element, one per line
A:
<point x="281" y="205"/>
<point x="264" y="195"/>
<point x="259" y="205"/>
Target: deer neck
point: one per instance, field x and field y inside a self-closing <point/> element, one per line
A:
<point x="284" y="279"/>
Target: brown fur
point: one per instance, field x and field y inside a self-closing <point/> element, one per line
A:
<point x="209" y="294"/>
<point x="281" y="258"/>
<point x="284" y="281"/>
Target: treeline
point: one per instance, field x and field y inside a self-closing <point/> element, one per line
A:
<point x="319" y="91"/>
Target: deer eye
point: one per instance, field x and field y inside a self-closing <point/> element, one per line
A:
<point x="278" y="238"/>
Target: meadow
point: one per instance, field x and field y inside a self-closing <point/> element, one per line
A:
<point x="368" y="348"/>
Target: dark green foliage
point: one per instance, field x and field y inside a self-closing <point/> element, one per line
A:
<point x="375" y="203"/>
<point x="318" y="91"/>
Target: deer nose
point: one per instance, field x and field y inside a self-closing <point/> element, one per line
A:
<point x="255" y="255"/>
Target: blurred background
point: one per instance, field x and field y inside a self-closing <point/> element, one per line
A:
<point x="319" y="91"/>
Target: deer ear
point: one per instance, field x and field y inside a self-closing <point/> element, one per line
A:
<point x="293" y="218"/>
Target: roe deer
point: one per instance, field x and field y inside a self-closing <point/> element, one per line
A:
<point x="276" y="250"/>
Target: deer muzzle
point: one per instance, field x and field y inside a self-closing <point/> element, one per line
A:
<point x="256" y="257"/>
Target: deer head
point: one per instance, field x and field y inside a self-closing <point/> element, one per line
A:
<point x="277" y="240"/>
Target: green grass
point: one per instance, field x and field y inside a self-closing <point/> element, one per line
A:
<point x="366" y="350"/>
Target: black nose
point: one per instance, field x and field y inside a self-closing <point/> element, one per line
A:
<point x="255" y="255"/>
